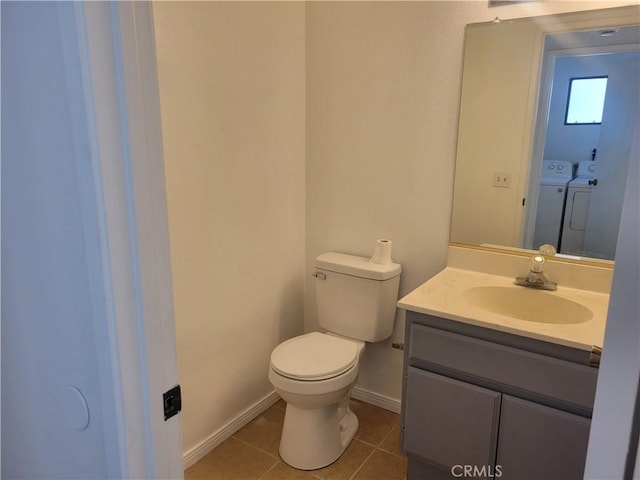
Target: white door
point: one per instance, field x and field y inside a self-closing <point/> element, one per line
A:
<point x="620" y="124"/>
<point x="87" y="321"/>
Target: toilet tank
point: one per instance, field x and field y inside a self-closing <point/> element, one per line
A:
<point x="356" y="298"/>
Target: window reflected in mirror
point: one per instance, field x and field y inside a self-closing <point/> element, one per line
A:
<point x="586" y="99"/>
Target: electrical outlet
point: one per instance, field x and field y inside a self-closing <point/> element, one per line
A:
<point x="502" y="179"/>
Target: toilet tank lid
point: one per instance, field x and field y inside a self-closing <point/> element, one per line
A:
<point x="357" y="266"/>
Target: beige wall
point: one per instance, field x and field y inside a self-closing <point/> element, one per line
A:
<point x="231" y="80"/>
<point x="382" y="94"/>
<point x="382" y="105"/>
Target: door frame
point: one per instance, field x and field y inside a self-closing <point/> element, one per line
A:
<point x="120" y="85"/>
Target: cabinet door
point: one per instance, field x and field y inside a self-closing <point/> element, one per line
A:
<point x="448" y="422"/>
<point x="540" y="442"/>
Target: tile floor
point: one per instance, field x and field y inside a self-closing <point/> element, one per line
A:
<point x="252" y="452"/>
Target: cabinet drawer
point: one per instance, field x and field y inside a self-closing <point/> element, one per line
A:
<point x="504" y="368"/>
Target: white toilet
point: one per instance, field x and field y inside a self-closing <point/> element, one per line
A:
<point x="314" y="373"/>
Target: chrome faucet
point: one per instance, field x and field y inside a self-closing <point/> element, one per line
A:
<point x="535" y="278"/>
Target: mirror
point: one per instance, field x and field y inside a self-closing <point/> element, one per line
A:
<point x="524" y="176"/>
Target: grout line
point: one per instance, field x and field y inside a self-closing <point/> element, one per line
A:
<point x="272" y="467"/>
<point x="376" y="445"/>
<point x="277" y="457"/>
<point x="361" y="465"/>
<point x="401" y="455"/>
<point x="365" y="442"/>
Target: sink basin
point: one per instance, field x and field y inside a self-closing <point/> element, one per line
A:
<point x="528" y="304"/>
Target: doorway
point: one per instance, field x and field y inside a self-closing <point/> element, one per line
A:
<point x="588" y="216"/>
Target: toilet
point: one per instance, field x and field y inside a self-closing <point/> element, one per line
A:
<point x="315" y="373"/>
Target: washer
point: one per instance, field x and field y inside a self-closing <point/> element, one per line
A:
<point x="554" y="178"/>
<point x="577" y="209"/>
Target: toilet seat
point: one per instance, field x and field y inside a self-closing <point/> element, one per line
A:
<point x="314" y="357"/>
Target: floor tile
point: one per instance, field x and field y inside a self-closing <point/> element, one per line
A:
<point x="382" y="466"/>
<point x="232" y="460"/>
<point x="375" y="422"/>
<point x="344" y="468"/>
<point x="265" y="431"/>
<point x="282" y="471"/>
<point x="391" y="442"/>
<point x="252" y="452"/>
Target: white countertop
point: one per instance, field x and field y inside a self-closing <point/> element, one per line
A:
<point x="443" y="296"/>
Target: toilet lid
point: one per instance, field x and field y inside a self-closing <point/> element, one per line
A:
<point x="314" y="356"/>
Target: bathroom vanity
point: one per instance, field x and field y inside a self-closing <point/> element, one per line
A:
<point x="484" y="398"/>
<point x="494" y="395"/>
<point x="500" y="380"/>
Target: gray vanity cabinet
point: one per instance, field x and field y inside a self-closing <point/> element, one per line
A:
<point x="506" y="406"/>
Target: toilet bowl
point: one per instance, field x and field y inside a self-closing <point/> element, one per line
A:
<point x="314" y="374"/>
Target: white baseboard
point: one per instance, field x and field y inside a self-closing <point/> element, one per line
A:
<point x="212" y="441"/>
<point x="377" y="399"/>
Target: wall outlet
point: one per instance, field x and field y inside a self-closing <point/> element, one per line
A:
<point x="502" y="179"/>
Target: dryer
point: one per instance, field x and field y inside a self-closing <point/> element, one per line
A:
<point x="554" y="178"/>
<point x="577" y="208"/>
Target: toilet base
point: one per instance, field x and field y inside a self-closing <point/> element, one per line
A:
<point x="315" y="438"/>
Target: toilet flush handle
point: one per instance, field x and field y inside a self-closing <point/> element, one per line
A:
<point x="319" y="275"/>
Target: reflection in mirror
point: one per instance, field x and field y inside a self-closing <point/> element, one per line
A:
<point x="524" y="176"/>
<point x="578" y="208"/>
